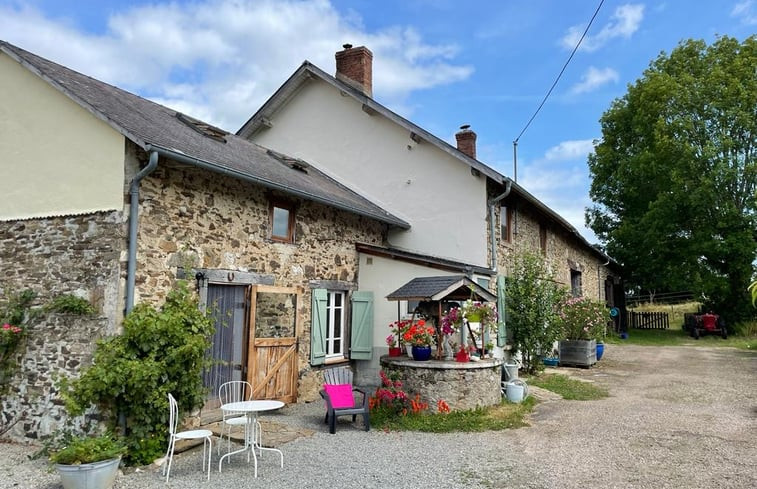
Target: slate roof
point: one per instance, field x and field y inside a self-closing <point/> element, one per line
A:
<point x="425" y="260"/>
<point x="438" y="288"/>
<point x="153" y="126"/>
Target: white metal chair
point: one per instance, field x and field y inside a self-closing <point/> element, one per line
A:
<point x="233" y="391"/>
<point x="173" y="422"/>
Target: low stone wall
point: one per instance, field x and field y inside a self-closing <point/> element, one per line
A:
<point x="462" y="386"/>
<point x="58" y="345"/>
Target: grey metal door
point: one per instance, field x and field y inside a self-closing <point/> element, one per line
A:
<point x="228" y="306"/>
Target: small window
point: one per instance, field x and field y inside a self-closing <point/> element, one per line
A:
<point x="335" y="324"/>
<point x="575" y="283"/>
<point x="282" y="222"/>
<point x="505" y="223"/>
<point x="543" y="239"/>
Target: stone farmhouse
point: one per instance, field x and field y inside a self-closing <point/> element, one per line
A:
<point x="293" y="230"/>
<point x="465" y="217"/>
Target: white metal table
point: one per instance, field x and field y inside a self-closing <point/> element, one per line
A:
<point x="252" y="429"/>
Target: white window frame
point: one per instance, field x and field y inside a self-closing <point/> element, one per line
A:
<point x="331" y="309"/>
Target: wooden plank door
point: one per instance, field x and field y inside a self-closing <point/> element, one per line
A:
<point x="272" y="353"/>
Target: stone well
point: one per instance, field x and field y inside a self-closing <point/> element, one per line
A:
<point x="461" y="385"/>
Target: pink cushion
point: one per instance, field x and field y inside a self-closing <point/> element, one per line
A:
<point x="340" y="395"/>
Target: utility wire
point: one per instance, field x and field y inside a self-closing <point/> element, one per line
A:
<point x="561" y="72"/>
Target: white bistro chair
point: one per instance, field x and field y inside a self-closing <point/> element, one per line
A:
<point x="233" y="391"/>
<point x="173" y="422"/>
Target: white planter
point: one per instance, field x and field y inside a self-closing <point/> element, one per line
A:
<point x="97" y="475"/>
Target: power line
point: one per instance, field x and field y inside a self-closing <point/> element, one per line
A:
<point x="561" y="72"/>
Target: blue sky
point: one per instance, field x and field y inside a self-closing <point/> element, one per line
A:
<point x="440" y="63"/>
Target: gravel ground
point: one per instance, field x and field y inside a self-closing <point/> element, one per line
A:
<point x="677" y="417"/>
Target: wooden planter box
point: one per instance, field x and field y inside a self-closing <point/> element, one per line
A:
<point x="578" y="353"/>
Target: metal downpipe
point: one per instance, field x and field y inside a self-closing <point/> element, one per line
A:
<point x="131" y="264"/>
<point x="492" y="238"/>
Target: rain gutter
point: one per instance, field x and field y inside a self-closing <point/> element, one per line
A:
<point x="131" y="267"/>
<point x="493" y="240"/>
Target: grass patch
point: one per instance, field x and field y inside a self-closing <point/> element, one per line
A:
<point x="493" y="418"/>
<point x="568" y="388"/>
<point x="678" y="337"/>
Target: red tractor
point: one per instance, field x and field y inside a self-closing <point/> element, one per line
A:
<point x="708" y="323"/>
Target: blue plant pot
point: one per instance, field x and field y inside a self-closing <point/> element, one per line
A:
<point x="600" y="350"/>
<point x="421" y="353"/>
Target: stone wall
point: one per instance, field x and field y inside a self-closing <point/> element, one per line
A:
<point x="66" y="255"/>
<point x="563" y="251"/>
<point x="189" y="218"/>
<point x="56" y="347"/>
<point x="52" y="256"/>
<point x="462" y="386"/>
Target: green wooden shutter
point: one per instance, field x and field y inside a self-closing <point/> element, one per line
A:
<point x="361" y="336"/>
<point x="501" y="326"/>
<point x="318" y="327"/>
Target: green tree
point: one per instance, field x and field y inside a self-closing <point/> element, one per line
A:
<point x="532" y="296"/>
<point x="674" y="178"/>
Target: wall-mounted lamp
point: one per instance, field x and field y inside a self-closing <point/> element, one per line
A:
<point x="199" y="277"/>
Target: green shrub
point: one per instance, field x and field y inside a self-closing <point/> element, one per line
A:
<point x="89" y="449"/>
<point x="71" y="304"/>
<point x="160" y="351"/>
<point x="16" y="307"/>
<point x="532" y="296"/>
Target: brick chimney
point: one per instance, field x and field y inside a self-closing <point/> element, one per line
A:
<point x="466" y="141"/>
<point x="355" y="67"/>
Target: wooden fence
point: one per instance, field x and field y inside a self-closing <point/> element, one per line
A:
<point x="648" y="320"/>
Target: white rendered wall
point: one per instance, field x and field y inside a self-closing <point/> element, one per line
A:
<point x="433" y="191"/>
<point x="55" y="157"/>
<point x="383" y="276"/>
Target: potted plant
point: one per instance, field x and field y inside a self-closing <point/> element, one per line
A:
<point x="89" y="462"/>
<point x="482" y="318"/>
<point x="394" y="350"/>
<point x="582" y="320"/>
<point x="420" y="336"/>
<point x="398" y="329"/>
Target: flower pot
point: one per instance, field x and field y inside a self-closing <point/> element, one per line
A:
<point x="395" y="351"/>
<point x="600" y="351"/>
<point x="462" y="356"/>
<point x="551" y="361"/>
<point x="409" y="349"/>
<point x="97" y="475"/>
<point x="579" y="353"/>
<point x="421" y="353"/>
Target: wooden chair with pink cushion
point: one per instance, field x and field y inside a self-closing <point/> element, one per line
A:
<point x="341" y="399"/>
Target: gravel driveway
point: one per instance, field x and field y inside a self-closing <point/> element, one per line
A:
<point x="677" y="417"/>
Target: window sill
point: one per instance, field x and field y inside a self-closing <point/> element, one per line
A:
<point x="336" y="360"/>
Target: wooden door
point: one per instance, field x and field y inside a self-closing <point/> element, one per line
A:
<point x="272" y="353"/>
<point x="226" y="304"/>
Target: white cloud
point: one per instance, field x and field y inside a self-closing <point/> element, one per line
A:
<point x="624" y="22"/>
<point x="595" y="78"/>
<point x="560" y="179"/>
<point x="570" y="150"/>
<point x="221" y="59"/>
<point x="746" y="11"/>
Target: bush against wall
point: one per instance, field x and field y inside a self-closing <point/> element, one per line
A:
<point x="161" y="350"/>
<point x="532" y="294"/>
